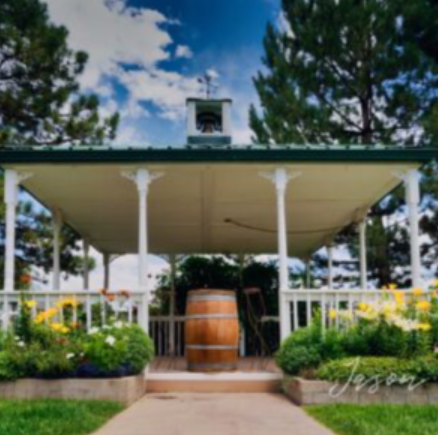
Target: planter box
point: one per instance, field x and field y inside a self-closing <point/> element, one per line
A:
<point x="314" y="392"/>
<point x="123" y="390"/>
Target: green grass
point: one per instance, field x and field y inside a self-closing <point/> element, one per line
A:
<point x="378" y="419"/>
<point x="54" y="417"/>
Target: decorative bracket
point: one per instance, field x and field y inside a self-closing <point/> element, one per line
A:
<point x="280" y="177"/>
<point x="411" y="178"/>
<point x="12" y="181"/>
<point x="142" y="177"/>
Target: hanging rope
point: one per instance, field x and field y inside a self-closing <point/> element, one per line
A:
<point x="268" y="230"/>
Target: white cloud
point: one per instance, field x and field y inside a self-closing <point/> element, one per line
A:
<point x="130" y="135"/>
<point x="168" y="90"/>
<point x="183" y="51"/>
<point x="115" y="35"/>
<point x="112" y="33"/>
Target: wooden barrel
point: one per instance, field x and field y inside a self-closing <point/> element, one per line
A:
<point x="212" y="331"/>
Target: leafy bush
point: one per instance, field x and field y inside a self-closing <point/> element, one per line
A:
<point x="45" y="348"/>
<point x="367" y="367"/>
<point x="421" y="368"/>
<point x="48" y="355"/>
<point x="117" y="350"/>
<point x="7" y="371"/>
<point x="293" y="360"/>
<point x="426" y="367"/>
<point x="300" y="351"/>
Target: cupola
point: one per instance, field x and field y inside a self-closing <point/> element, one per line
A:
<point x="208" y="121"/>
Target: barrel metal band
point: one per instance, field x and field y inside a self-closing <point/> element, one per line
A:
<point x="210" y="347"/>
<point x="210" y="316"/>
<point x="205" y="298"/>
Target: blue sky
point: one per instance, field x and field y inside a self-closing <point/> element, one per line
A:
<point x="145" y="57"/>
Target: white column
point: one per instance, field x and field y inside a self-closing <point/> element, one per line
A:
<point x="191" y="119"/>
<point x="412" y="183"/>
<point x="330" y="266"/>
<point x="57" y="227"/>
<point x="226" y="118"/>
<point x="172" y="261"/>
<point x="11" y="181"/>
<point x="106" y="270"/>
<point x="363" y="254"/>
<point x="86" y="248"/>
<point x="280" y="177"/>
<point x="308" y="274"/>
<point x="143" y="178"/>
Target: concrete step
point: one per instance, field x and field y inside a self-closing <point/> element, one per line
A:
<point x="236" y="382"/>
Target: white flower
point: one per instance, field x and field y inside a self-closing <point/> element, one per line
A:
<point x="110" y="340"/>
<point x="17" y="338"/>
<point x="70" y="355"/>
<point x="118" y="324"/>
<point x="93" y="330"/>
<point x="21" y="343"/>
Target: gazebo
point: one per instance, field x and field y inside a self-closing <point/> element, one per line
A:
<point x="210" y="197"/>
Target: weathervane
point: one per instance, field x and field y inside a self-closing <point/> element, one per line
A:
<point x="207" y="80"/>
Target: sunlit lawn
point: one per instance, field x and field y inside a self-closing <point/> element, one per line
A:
<point x="54" y="417"/>
<point x="378" y="419"/>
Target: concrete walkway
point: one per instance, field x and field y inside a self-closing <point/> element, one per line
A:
<point x="213" y="414"/>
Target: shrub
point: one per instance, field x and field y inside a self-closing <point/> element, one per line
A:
<point x="332" y="345"/>
<point x="300" y="351"/>
<point x="426" y="367"/>
<point x="7" y="371"/>
<point x="422" y="368"/>
<point x="48" y="356"/>
<point x="294" y="359"/>
<point x="43" y="347"/>
<point x="117" y="350"/>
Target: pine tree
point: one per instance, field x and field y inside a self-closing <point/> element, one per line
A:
<point x="353" y="72"/>
<point x="39" y="99"/>
<point x="40" y="104"/>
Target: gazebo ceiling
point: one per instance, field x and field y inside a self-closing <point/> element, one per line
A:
<point x="211" y="207"/>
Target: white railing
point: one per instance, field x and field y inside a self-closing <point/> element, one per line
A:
<point x="168" y="335"/>
<point x="94" y="308"/>
<point x="89" y="308"/>
<point x="299" y="306"/>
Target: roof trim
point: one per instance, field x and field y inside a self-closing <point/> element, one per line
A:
<point x="227" y="155"/>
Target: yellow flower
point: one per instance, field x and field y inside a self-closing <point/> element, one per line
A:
<point x="424" y="326"/>
<point x="59" y="327"/>
<point x="388" y="309"/>
<point x="392" y="286"/>
<point x="332" y="314"/>
<point x="46" y="315"/>
<point x="67" y="302"/>
<point x="30" y="304"/>
<point x="399" y="297"/>
<point x="362" y="306"/>
<point x="435" y="283"/>
<point x="423" y="306"/>
<point x="417" y="291"/>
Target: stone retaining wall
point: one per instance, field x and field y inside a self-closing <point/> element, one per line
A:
<point x="123" y="390"/>
<point x="314" y="392"/>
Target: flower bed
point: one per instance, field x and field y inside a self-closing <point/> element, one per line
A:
<point x="50" y="345"/>
<point x="377" y="348"/>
